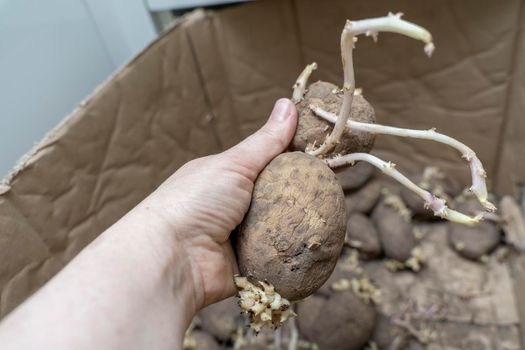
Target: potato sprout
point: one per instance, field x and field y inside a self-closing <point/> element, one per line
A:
<point x="294" y="231"/>
<point x="371" y="27"/>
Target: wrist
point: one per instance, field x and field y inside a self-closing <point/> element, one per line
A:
<point x="154" y="252"/>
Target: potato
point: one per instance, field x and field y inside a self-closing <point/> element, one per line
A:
<point x="336" y="318"/>
<point x="338" y="321"/>
<point x="362" y="235"/>
<point x="364" y="199"/>
<point x="387" y="335"/>
<point x="395" y="232"/>
<point x="472" y="242"/>
<point x="355" y="176"/>
<point x="221" y="319"/>
<point x="312" y="129"/>
<point x="294" y="230"/>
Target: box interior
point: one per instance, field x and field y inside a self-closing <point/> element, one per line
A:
<point x="212" y="79"/>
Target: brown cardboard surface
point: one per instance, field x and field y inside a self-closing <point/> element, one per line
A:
<point x="136" y="130"/>
<point x="212" y="80"/>
<point x="259" y="48"/>
<point x="201" y="36"/>
<point x="511" y="167"/>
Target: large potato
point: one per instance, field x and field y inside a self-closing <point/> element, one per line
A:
<point x="311" y="128"/>
<point x="294" y="230"/>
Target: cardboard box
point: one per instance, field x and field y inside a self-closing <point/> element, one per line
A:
<point x="211" y="81"/>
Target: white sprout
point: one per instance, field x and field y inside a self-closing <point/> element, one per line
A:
<point x="391" y="23"/>
<point x="436" y="204"/>
<point x="478" y="174"/>
<point x="265" y="306"/>
<point x="299" y="88"/>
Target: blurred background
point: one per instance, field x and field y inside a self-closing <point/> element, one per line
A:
<point x="53" y="53"/>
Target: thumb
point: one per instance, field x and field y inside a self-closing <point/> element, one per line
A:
<point x="272" y="139"/>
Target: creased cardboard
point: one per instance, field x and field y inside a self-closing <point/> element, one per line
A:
<point x="136" y="130"/>
<point x="213" y="78"/>
<point x="258" y="46"/>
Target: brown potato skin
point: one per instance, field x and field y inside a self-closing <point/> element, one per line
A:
<point x="476" y="240"/>
<point x="295" y="227"/>
<point x="339" y="321"/>
<point x="387" y="334"/>
<point x="311" y="128"/>
<point x="395" y="233"/>
<point x="355" y="177"/>
<point x="364" y="199"/>
<point x="361" y="229"/>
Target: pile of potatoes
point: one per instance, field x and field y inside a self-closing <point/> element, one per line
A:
<point x="343" y="312"/>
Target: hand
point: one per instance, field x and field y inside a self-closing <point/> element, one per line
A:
<point x="208" y="197"/>
<point x="139" y="284"/>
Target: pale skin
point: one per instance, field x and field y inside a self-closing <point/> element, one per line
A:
<point x="139" y="284"/>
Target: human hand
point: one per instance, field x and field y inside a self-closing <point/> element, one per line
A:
<point x="139" y="284"/>
<point x="208" y="197"/>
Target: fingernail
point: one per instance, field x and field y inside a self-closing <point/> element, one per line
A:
<point x="282" y="110"/>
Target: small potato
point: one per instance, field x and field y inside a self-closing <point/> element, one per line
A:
<point x="472" y="242"/>
<point x="364" y="199"/>
<point x="221" y="319"/>
<point x="312" y="129"/>
<point x="387" y="335"/>
<point x="340" y="321"/>
<point x="294" y="231"/>
<point x="441" y="187"/>
<point x="362" y="235"/>
<point x="336" y="318"/>
<point x="395" y="232"/>
<point x="355" y="176"/>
